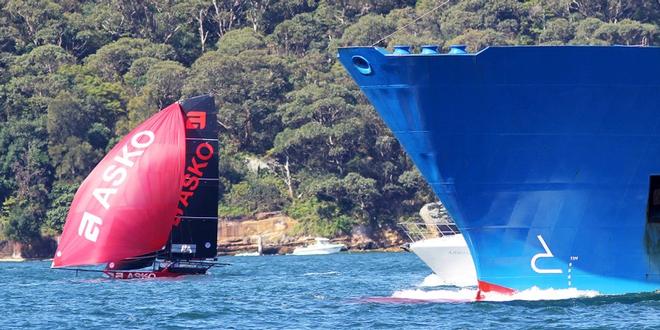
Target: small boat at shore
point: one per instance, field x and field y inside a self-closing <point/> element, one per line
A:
<point x="321" y="246"/>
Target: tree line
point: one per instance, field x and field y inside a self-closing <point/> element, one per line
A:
<point x="296" y="133"/>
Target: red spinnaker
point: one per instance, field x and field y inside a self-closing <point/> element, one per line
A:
<point x="127" y="204"/>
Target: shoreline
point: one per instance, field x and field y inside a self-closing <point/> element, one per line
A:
<point x="385" y="250"/>
<point x="356" y="251"/>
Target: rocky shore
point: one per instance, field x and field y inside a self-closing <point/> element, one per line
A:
<point x="42" y="248"/>
<point x="273" y="231"/>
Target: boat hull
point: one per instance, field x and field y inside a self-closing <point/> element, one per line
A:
<point x="176" y="269"/>
<point x="544" y="156"/>
<point x="305" y="251"/>
<point x="129" y="275"/>
<point x="449" y="258"/>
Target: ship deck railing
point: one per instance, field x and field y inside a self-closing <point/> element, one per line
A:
<point x="417" y="231"/>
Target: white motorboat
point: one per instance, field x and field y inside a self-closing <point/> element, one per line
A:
<point x="440" y="245"/>
<point x="321" y="246"/>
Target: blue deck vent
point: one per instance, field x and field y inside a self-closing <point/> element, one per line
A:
<point x="402" y="49"/>
<point x="429" y="49"/>
<point x="457" y="50"/>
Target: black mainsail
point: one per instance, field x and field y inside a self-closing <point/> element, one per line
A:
<point x="195" y="234"/>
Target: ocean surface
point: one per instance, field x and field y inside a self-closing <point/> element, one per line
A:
<point x="345" y="291"/>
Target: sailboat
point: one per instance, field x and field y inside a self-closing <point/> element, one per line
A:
<point x="149" y="208"/>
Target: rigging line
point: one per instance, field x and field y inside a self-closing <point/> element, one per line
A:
<point x="413" y="22"/>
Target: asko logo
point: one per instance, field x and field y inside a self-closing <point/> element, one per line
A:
<point x="194" y="173"/>
<point x="196" y="120"/>
<point x="114" y="176"/>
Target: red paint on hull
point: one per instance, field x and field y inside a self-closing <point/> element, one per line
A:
<point x="129" y="275"/>
<point x="490" y="287"/>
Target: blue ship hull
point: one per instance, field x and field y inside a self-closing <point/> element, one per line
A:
<point x="546" y="157"/>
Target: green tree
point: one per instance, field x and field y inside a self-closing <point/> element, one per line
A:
<point x="247" y="88"/>
<point x="27" y="210"/>
<point x="319" y="218"/>
<point x="585" y="32"/>
<point x="477" y="40"/>
<point x="300" y="34"/>
<point x="37" y="22"/>
<point x="258" y="193"/>
<point x="367" y="31"/>
<point x="61" y="196"/>
<point x="26" y="93"/>
<point x="113" y="60"/>
<point x="66" y="118"/>
<point x="240" y="40"/>
<point x="627" y="32"/>
<point x="319" y="120"/>
<point x="163" y="82"/>
<point x="558" y="30"/>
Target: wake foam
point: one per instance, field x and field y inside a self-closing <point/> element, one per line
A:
<point x="418" y="295"/>
<point x="535" y="294"/>
<point x="469" y="295"/>
<point x="322" y="273"/>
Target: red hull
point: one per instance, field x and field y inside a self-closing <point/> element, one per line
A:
<point x="129" y="275"/>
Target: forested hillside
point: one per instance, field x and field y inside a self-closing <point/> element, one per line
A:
<point x="296" y="133"/>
